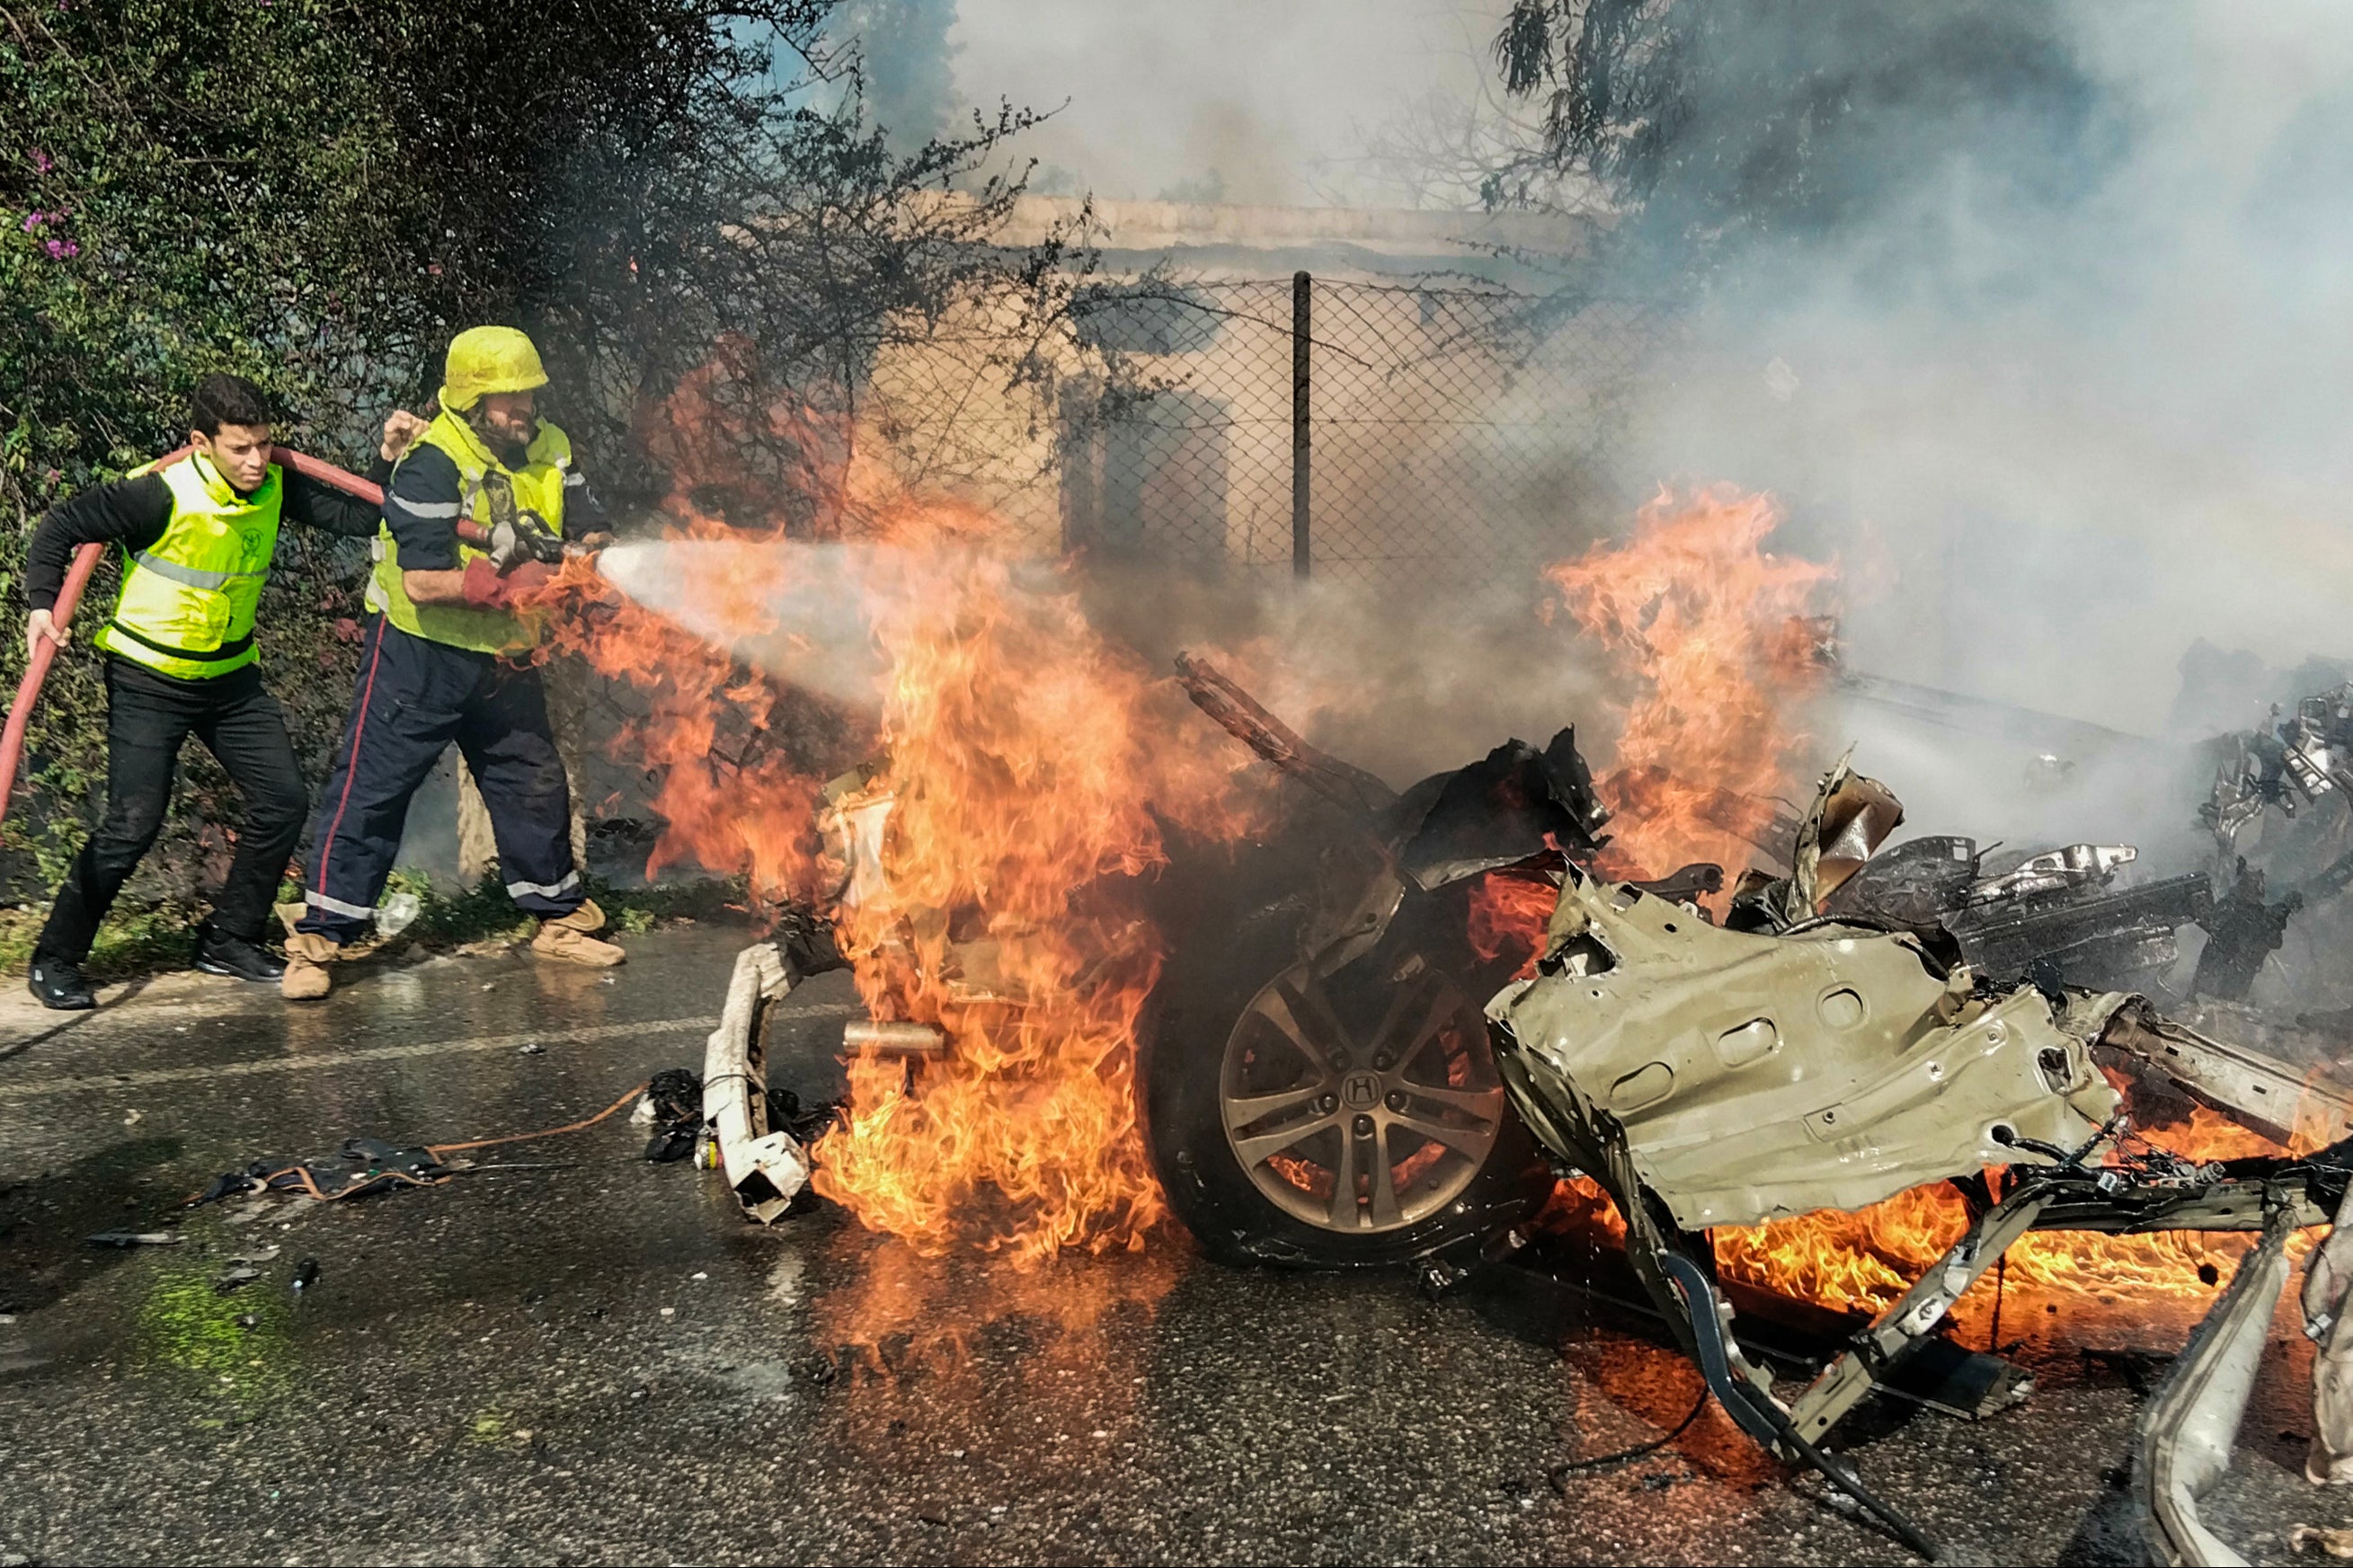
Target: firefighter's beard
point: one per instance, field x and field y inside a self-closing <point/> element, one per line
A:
<point x="511" y="449"/>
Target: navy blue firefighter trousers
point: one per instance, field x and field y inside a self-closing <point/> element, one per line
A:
<point x="413" y="698"/>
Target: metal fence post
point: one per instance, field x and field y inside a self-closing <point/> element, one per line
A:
<point x="1302" y="555"/>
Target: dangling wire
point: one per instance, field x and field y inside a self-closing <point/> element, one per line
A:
<point x="1558" y="1475"/>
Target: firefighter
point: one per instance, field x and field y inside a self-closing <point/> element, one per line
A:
<point x="439" y="662"/>
<point x="197" y="535"/>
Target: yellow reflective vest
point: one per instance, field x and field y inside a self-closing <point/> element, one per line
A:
<point x="486" y="488"/>
<point x="189" y="600"/>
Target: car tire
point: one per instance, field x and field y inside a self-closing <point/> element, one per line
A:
<point x="1222" y="1040"/>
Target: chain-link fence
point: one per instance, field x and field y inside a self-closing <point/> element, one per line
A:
<point x="1374" y="433"/>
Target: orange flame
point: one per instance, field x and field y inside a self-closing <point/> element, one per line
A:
<point x="1508" y="916"/>
<point x="1866" y="1259"/>
<point x="1027" y="759"/>
<point x="1694" y="609"/>
<point x="1713" y="630"/>
<point x="729" y="798"/>
<point x="1029" y="768"/>
<point x="1715" y="634"/>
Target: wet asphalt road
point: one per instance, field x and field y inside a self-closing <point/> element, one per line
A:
<point x="601" y="1363"/>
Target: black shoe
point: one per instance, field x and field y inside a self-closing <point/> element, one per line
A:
<point x="218" y="952"/>
<point x="60" y="984"/>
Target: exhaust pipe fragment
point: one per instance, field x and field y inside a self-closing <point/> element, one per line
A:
<point x="913" y="1042"/>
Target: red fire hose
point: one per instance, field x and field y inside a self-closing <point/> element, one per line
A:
<point x="85" y="562"/>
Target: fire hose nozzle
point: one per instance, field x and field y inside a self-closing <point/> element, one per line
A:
<point x="510" y="542"/>
<point x="524" y="538"/>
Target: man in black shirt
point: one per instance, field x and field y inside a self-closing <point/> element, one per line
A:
<point x="197" y="536"/>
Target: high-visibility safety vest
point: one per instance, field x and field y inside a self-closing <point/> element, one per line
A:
<point x="538" y="486"/>
<point x="189" y="600"/>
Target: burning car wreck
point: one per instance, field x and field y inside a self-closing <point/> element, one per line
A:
<point x="1707" y="1077"/>
<point x="1857" y="1027"/>
<point x="1349" y="1066"/>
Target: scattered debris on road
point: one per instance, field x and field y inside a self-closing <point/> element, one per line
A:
<point x="234" y="1279"/>
<point x="137" y="1238"/>
<point x="2337" y="1543"/>
<point x="363" y="1165"/>
<point x="673" y="1106"/>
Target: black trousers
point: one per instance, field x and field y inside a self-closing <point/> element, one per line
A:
<point x="415" y="697"/>
<point x="148" y="716"/>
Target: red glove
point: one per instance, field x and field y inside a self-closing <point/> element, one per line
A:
<point x="486" y="590"/>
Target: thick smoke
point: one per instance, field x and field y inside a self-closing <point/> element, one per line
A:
<point x="905" y="65"/>
<point x="2047" y="348"/>
<point x="2054" y="367"/>
<point x="1218" y="100"/>
<point x="2051" y="357"/>
<point x="2063" y="403"/>
<point x="2048" y="352"/>
<point x="2072" y="436"/>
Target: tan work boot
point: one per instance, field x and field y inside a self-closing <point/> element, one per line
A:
<point x="567" y="937"/>
<point x="306" y="978"/>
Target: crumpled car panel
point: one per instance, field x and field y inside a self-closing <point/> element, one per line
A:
<point x="1759" y="1076"/>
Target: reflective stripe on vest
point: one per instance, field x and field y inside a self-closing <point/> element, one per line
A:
<point x="538" y="486"/>
<point x="190" y="575"/>
<point x="187" y="601"/>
